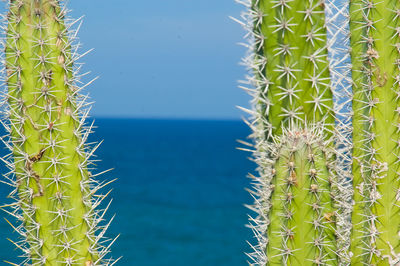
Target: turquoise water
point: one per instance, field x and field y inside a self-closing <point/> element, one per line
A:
<point x="179" y="195"/>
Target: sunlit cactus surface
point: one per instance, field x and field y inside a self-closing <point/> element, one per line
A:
<point x="375" y="43"/>
<point x="336" y="66"/>
<point x="296" y="222"/>
<point x="293" y="122"/>
<point x="56" y="198"/>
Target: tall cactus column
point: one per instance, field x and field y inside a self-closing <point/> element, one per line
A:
<point x="47" y="133"/>
<point x="293" y="124"/>
<point x="375" y="41"/>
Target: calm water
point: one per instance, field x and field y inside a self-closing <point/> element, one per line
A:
<point x="179" y="195"/>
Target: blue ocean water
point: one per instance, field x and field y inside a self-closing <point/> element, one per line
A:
<point x="179" y="195"/>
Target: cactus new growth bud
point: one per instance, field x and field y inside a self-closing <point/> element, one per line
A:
<point x="50" y="161"/>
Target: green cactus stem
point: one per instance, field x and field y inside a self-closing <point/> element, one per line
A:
<point x="290" y="73"/>
<point x="50" y="163"/>
<point x="289" y="57"/>
<point x="296" y="222"/>
<point x="375" y="42"/>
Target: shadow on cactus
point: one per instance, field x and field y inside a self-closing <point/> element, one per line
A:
<point x="56" y="197"/>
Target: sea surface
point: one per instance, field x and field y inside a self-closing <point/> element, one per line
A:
<point x="179" y="196"/>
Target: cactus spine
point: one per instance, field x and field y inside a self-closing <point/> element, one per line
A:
<point x="375" y="42"/>
<point x="50" y="160"/>
<point x="292" y="126"/>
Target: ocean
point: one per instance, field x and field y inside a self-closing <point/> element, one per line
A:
<point x="180" y="192"/>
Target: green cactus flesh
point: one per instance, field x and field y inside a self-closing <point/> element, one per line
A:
<point x="296" y="205"/>
<point x="289" y="58"/>
<point x="292" y="70"/>
<point x="47" y="132"/>
<point x="375" y="37"/>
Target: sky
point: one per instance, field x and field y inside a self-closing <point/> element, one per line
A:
<point x="163" y="58"/>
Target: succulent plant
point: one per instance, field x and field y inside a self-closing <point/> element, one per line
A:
<point x="375" y="43"/>
<point x="56" y="196"/>
<point x="293" y="121"/>
<point x="296" y="221"/>
<point x="289" y="59"/>
<point x="364" y="107"/>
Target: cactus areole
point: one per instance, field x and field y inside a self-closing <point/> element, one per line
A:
<point x="50" y="162"/>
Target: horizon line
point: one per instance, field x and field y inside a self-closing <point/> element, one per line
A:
<point x="168" y="118"/>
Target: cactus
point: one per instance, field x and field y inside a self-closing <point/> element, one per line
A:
<point x="296" y="225"/>
<point x="293" y="121"/>
<point x="366" y="133"/>
<point x="54" y="190"/>
<point x="290" y="63"/>
<point x="376" y="64"/>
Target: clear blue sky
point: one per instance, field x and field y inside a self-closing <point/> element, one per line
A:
<point x="163" y="58"/>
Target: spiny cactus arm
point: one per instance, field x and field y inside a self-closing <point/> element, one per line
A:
<point x="376" y="49"/>
<point x="296" y="209"/>
<point x="288" y="56"/>
<point x="291" y="62"/>
<point x="48" y="133"/>
<point x="313" y="221"/>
